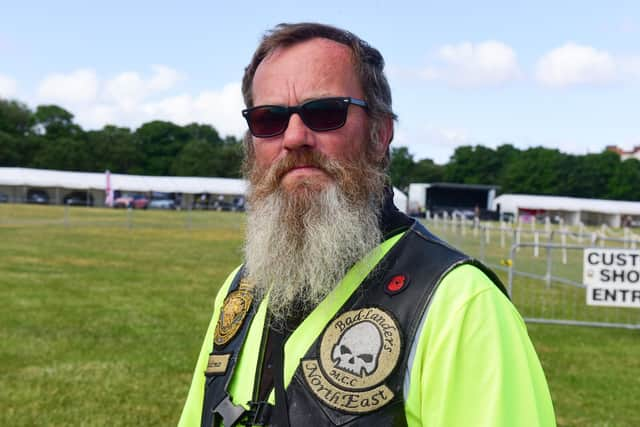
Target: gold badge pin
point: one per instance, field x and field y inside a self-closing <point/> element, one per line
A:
<point x="358" y="351"/>
<point x="234" y="310"/>
<point x="217" y="364"/>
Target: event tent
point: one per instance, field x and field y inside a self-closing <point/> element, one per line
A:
<point x="15" y="182"/>
<point x="572" y="210"/>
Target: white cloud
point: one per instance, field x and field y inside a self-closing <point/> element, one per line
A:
<point x="131" y="98"/>
<point x="8" y="86"/>
<point x="77" y="87"/>
<point x="466" y="64"/>
<point x="129" y="89"/>
<point x="432" y="142"/>
<point x="486" y="63"/>
<point x="573" y="64"/>
<point x="221" y="107"/>
<point x="163" y="78"/>
<point x="126" y="90"/>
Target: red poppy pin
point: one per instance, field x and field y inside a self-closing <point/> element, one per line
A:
<point x="396" y="284"/>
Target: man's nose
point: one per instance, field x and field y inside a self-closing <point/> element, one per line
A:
<point x="297" y="134"/>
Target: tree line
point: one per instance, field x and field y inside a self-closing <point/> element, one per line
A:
<point x="535" y="170"/>
<point x="48" y="138"/>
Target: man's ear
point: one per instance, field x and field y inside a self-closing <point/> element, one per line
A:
<point x="385" y="136"/>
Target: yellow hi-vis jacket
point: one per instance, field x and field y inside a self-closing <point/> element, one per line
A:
<point x="472" y="363"/>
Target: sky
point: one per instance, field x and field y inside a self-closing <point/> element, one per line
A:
<point x="558" y="74"/>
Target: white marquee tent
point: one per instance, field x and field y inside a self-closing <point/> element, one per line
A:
<point x="15" y="182"/>
<point x="572" y="210"/>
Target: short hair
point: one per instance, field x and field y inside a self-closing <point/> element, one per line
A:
<point x="368" y="62"/>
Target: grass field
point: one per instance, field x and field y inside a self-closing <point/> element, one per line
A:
<point x="103" y="313"/>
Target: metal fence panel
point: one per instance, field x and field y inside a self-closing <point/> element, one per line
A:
<point x="542" y="267"/>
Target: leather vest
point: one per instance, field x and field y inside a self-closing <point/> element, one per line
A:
<point x="353" y="374"/>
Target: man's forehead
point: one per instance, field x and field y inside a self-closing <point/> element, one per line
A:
<point x="310" y="69"/>
<point x="318" y="50"/>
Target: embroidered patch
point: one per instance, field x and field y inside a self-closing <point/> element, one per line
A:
<point x="397" y="284"/>
<point x="217" y="364"/>
<point x="234" y="310"/>
<point x="358" y="351"/>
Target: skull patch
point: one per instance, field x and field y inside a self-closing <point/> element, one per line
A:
<point x="358" y="349"/>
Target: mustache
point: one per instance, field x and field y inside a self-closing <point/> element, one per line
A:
<point x="356" y="178"/>
<point x="268" y="181"/>
<point x="302" y="158"/>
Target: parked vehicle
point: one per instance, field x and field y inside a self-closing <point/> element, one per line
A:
<point x="201" y="201"/>
<point x="40" y="197"/>
<point x="123" y="201"/>
<point x="162" y="204"/>
<point x="140" y="202"/>
<point x="467" y="214"/>
<point x="78" y="198"/>
<point x="137" y="201"/>
<point x="4" y="198"/>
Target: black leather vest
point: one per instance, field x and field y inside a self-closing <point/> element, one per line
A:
<point x="402" y="286"/>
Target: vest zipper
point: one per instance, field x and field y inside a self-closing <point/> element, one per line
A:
<point x="263" y="344"/>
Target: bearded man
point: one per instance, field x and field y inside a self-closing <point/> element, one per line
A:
<point x="346" y="311"/>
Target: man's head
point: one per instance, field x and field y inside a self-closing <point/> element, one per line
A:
<point x="367" y="62"/>
<point x="314" y="195"/>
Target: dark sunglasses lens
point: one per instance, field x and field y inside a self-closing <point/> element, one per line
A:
<point x="267" y="121"/>
<point x="325" y="114"/>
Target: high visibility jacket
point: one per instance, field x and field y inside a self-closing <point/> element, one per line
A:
<point x="468" y="362"/>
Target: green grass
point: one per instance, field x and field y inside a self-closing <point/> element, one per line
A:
<point x="103" y="313"/>
<point x="592" y="373"/>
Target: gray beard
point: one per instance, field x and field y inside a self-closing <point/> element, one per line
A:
<point x="300" y="261"/>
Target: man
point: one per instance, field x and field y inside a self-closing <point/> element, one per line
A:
<point x="345" y="311"/>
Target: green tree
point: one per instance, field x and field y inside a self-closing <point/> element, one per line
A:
<point x="15" y="118"/>
<point x="115" y="148"/>
<point x="589" y="175"/>
<point x="197" y="158"/>
<point x="623" y="185"/>
<point x="56" y="122"/>
<point x="230" y="158"/>
<point x="203" y="132"/>
<point x="426" y="170"/>
<point x="537" y="170"/>
<point x="474" y="165"/>
<point x="9" y="150"/>
<point x="64" y="154"/>
<point x="17" y="142"/>
<point x="160" y="144"/>
<point x="401" y="167"/>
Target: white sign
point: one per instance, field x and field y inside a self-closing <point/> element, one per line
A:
<point x="612" y="277"/>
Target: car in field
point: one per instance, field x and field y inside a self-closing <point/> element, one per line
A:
<point x="123" y="201"/>
<point x="140" y="202"/>
<point x="507" y="217"/>
<point x="78" y="198"/>
<point x="467" y="214"/>
<point x="4" y="198"/>
<point x="162" y="204"/>
<point x="39" y="197"/>
<point x="136" y="201"/>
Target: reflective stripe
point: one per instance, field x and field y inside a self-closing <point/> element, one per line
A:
<point x="310" y="329"/>
<point x="242" y="383"/>
<point x="192" y="411"/>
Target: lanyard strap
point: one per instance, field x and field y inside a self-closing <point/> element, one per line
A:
<point x="281" y="410"/>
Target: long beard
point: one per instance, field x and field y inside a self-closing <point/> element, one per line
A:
<point x="300" y="242"/>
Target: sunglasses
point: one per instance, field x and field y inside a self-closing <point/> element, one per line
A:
<point x="319" y="115"/>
